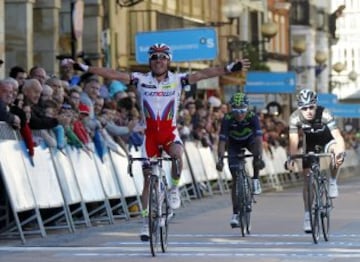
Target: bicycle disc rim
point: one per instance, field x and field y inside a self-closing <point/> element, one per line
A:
<point x="325" y="215"/>
<point x="153" y="216"/>
<point x="241" y="201"/>
<point x="248" y="206"/>
<point x="164" y="228"/>
<point x="313" y="199"/>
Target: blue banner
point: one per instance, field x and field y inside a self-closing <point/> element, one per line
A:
<point x="270" y="82"/>
<point x="186" y="44"/>
<point x="257" y="100"/>
<point x="345" y="110"/>
<point x="326" y="99"/>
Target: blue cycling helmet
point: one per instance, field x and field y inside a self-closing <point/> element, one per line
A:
<point x="160" y="48"/>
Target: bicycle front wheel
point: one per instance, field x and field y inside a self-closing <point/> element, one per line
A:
<point x="244" y="198"/>
<point x="248" y="203"/>
<point x="154" y="215"/>
<point x="313" y="207"/>
<point x="164" y="224"/>
<point x="326" y="205"/>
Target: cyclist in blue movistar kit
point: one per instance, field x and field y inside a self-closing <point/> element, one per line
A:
<point x="240" y="128"/>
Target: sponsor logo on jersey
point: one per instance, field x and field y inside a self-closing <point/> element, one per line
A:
<point x="168" y="86"/>
<point x="159" y="93"/>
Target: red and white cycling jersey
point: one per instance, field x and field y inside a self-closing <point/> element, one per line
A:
<point x="159" y="107"/>
<point x="159" y="100"/>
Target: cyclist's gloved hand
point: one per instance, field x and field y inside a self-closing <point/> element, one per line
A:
<point x="220" y="165"/>
<point x="81" y="67"/>
<point x="289" y="165"/>
<point x="76" y="65"/>
<point x="242" y="64"/>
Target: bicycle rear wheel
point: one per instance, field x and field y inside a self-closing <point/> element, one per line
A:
<point x="154" y="215"/>
<point x="326" y="205"/>
<point x="164" y="225"/>
<point x="248" y="203"/>
<point x="244" y="198"/>
<point x="313" y="207"/>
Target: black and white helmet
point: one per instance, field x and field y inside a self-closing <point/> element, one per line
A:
<point x="306" y="97"/>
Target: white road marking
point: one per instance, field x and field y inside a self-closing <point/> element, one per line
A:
<point x="214" y="245"/>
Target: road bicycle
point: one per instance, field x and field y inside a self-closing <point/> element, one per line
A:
<point x="318" y="203"/>
<point x="244" y="192"/>
<point x="158" y="206"/>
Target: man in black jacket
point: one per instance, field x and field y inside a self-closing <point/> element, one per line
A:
<point x="6" y="95"/>
<point x="32" y="91"/>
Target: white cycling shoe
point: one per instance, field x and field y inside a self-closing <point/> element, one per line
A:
<point x="174" y="198"/>
<point x="234" y="221"/>
<point x="257" y="187"/>
<point x="144" y="232"/>
<point x="307" y="223"/>
<point x="333" y="189"/>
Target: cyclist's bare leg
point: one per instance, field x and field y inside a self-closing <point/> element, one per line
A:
<point x="176" y="150"/>
<point x="256" y="149"/>
<point x="333" y="169"/>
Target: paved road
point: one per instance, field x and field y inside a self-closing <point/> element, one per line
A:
<point x="200" y="232"/>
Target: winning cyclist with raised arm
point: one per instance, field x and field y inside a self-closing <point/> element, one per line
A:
<point x="159" y="95"/>
<point x="240" y="128"/>
<point x="319" y="129"/>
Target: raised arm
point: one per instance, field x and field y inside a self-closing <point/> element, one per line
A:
<point x="101" y="71"/>
<point x="237" y="66"/>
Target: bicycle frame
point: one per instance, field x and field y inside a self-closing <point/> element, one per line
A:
<point x="318" y="203"/>
<point x="158" y="205"/>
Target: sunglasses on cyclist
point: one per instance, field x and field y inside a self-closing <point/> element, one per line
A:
<point x="239" y="110"/>
<point x="305" y="108"/>
<point x="159" y="57"/>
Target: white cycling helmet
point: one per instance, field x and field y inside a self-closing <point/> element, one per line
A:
<point x="306" y="97"/>
<point x="160" y="48"/>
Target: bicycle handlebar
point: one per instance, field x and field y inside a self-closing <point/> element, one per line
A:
<point x="241" y="156"/>
<point x="311" y="154"/>
<point x="151" y="160"/>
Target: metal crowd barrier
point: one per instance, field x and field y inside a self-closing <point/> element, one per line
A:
<point x="71" y="188"/>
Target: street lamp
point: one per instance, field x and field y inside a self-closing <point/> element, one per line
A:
<point x="352" y="76"/>
<point x="338" y="67"/>
<point x="232" y="10"/>
<point x="299" y="46"/>
<point x="268" y="30"/>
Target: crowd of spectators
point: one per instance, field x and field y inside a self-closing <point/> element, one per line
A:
<point x="77" y="109"/>
<point x="68" y="109"/>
